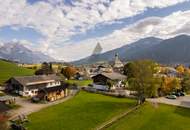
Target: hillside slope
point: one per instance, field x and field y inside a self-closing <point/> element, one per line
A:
<point x="170" y="51"/>
<point x="8" y="69"/>
<point x="126" y="51"/>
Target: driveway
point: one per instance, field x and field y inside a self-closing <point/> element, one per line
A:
<point x="180" y="101"/>
<point x="27" y="107"/>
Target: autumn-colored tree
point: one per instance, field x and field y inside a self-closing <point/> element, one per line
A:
<point x="187" y="71"/>
<point x="69" y="72"/>
<point x="170" y="84"/>
<point x="185" y="83"/>
<point x="180" y="69"/>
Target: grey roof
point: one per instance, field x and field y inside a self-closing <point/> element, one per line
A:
<point x="113" y="76"/>
<point x="36" y="79"/>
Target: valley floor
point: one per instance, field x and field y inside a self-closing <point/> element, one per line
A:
<point x="83" y="112"/>
<point x="87" y="111"/>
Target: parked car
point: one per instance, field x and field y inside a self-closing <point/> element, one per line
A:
<point x="171" y="97"/>
<point x="182" y="94"/>
<point x="35" y="99"/>
<point x="176" y="94"/>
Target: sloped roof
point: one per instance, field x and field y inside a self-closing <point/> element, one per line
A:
<point x="113" y="76"/>
<point x="36" y="79"/>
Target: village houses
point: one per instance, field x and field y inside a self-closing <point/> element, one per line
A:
<point x="100" y="81"/>
<point x="48" y="87"/>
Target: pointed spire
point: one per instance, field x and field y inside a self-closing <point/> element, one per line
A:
<point x="117" y="62"/>
<point x="98" y="49"/>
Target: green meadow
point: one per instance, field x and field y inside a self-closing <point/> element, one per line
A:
<point x="80" y="82"/>
<point x="8" y="69"/>
<point x="83" y="112"/>
<point x="150" y="117"/>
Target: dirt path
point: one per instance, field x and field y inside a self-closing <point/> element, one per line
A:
<point x="28" y="107"/>
<point x="116" y="118"/>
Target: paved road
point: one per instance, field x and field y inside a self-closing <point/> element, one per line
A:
<point x="180" y="101"/>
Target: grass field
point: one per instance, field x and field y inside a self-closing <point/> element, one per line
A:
<point x="8" y="70"/>
<point x="84" y="112"/>
<point x="80" y="82"/>
<point x="163" y="117"/>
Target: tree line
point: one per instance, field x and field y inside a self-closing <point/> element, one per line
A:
<point x="142" y="77"/>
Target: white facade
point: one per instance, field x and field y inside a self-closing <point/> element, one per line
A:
<point x="100" y="87"/>
<point x="34" y="92"/>
<point x="53" y="84"/>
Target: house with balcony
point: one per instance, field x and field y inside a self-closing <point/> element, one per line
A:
<point x="30" y="85"/>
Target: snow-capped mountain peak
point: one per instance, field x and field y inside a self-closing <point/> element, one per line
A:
<point x="17" y="52"/>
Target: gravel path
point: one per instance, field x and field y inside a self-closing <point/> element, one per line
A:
<point x="27" y="107"/>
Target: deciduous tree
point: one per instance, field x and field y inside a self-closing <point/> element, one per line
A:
<point x="185" y="83"/>
<point x="69" y="72"/>
<point x="141" y="78"/>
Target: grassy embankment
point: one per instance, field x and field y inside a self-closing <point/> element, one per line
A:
<point x="8" y="69"/>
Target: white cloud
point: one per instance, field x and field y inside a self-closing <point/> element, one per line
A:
<point x="166" y="27"/>
<point x="58" y="21"/>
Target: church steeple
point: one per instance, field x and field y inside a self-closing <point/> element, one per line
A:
<point x="116" y="56"/>
<point x="117" y="62"/>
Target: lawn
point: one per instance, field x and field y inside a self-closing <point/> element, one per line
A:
<point x="8" y="69"/>
<point x="163" y="117"/>
<point x="84" y="112"/>
<point x="80" y="82"/>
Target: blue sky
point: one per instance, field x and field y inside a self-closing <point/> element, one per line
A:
<point x="104" y="29"/>
<point x="9" y="33"/>
<point x="56" y="26"/>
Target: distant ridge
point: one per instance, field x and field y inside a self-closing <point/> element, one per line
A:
<point x="170" y="51"/>
<point x="122" y="52"/>
<point x="18" y="53"/>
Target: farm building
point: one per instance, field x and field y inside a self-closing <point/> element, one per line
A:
<point x="53" y="93"/>
<point x="30" y="85"/>
<point x="102" y="80"/>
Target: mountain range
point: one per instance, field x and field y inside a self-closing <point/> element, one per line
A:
<point x="170" y="51"/>
<point x="15" y="51"/>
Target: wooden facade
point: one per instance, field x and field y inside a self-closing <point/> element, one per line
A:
<point x="53" y="93"/>
<point x="100" y="79"/>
